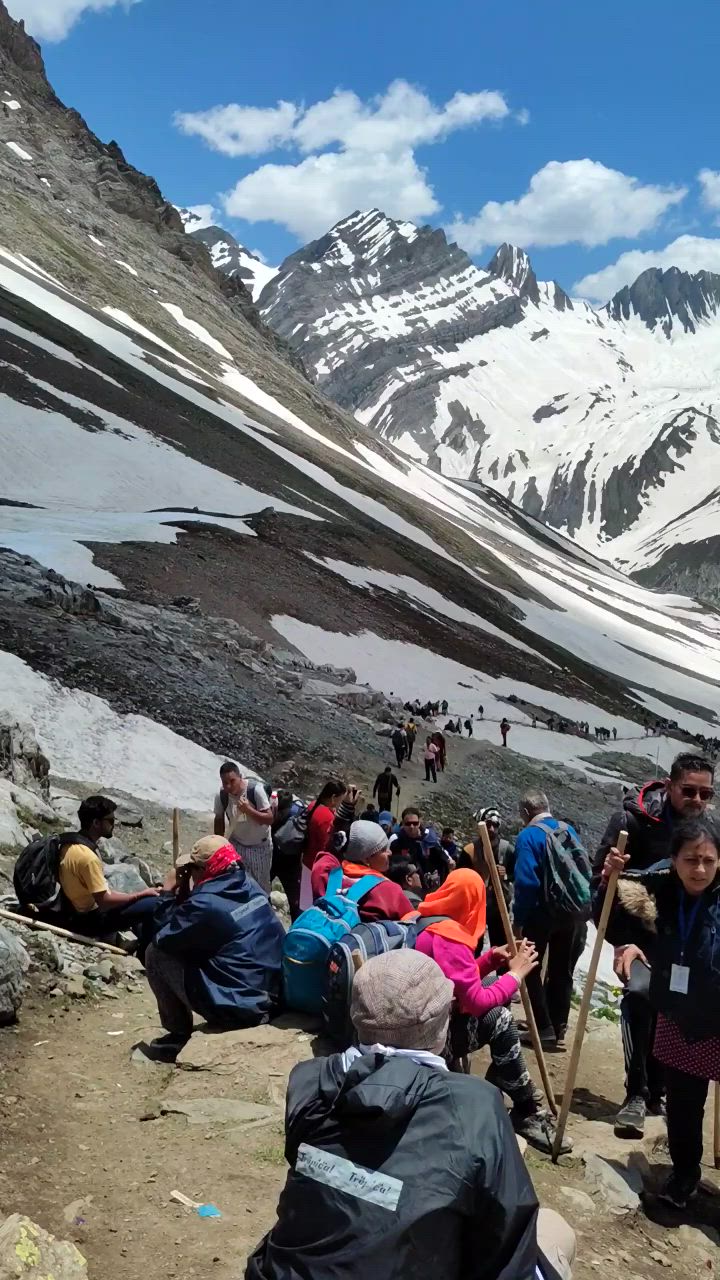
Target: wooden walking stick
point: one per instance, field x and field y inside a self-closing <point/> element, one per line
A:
<point x="569" y="1088"/>
<point x="40" y="925"/>
<point x="716" y="1129"/>
<point x="512" y="943"/>
<point x="176" y="836"/>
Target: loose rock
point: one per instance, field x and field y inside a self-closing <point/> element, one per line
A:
<point x="27" y="1250"/>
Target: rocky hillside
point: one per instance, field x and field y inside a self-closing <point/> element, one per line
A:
<point x="603" y="423"/>
<point x="235" y="533"/>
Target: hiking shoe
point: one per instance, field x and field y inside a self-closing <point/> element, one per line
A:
<point x="164" y="1048"/>
<point x="538" y="1129"/>
<point x="679" y="1190"/>
<point x="656" y="1107"/>
<point x="548" y="1040"/>
<point x="630" y="1120"/>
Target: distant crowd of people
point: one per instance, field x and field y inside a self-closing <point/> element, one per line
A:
<point x="388" y="939"/>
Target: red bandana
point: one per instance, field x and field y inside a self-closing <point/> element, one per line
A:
<point x="225" y="857"/>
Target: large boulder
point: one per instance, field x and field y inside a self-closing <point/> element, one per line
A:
<point x="14" y="963"/>
<point x="27" y="1251"/>
<point x="124" y="878"/>
<point x="21" y="759"/>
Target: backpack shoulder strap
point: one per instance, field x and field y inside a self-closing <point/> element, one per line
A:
<point x="542" y="826"/>
<point x="224" y="799"/>
<point x="334" y="883"/>
<point x="364" y="885"/>
<point x="420" y="925"/>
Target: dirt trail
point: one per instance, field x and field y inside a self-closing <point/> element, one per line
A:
<point x="87" y="1152"/>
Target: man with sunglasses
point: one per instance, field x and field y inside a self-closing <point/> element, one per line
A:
<point x="649" y="817"/>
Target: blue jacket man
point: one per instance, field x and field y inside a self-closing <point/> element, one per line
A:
<point x="564" y="942"/>
<point x="218" y="948"/>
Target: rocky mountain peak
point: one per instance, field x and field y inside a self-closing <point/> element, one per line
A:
<point x="666" y="299"/>
<point x="369" y="239"/>
<point x="17" y="47"/>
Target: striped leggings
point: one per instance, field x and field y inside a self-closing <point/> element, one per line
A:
<point x="507" y="1071"/>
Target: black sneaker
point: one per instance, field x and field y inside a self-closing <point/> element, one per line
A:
<point x="538" y="1130"/>
<point x="656" y="1107"/>
<point x="679" y="1190"/>
<point x="630" y="1120"/>
<point x="548" y="1040"/>
<point x="164" y="1048"/>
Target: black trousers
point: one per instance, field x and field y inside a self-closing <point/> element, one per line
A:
<point x="411" y="744"/>
<point x="430" y="771"/>
<point x="550" y="998"/>
<point x="399" y="755"/>
<point x="686" y="1098"/>
<point x="643" y="1075"/>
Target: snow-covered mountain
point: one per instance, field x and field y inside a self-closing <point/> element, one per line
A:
<point x="156" y="444"/>
<point x="227" y="254"/>
<point x="602" y="423"/>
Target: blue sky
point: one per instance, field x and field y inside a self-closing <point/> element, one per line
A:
<point x="585" y="132"/>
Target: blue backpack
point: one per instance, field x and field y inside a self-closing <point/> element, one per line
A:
<point x="310" y="938"/>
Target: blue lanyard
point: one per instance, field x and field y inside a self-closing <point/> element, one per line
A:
<point x="685" y="923"/>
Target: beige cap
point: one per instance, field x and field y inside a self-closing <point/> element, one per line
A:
<point x="202" y="851"/>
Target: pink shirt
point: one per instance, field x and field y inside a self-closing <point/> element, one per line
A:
<point x="466" y="972"/>
<point x="432" y="751"/>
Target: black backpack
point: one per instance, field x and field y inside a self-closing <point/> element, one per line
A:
<point x="566" y="874"/>
<point x="36" y="875"/>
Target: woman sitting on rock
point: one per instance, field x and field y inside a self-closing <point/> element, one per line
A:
<point x="481" y="1015"/>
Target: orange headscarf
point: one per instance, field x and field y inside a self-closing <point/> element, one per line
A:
<point x="462" y="898"/>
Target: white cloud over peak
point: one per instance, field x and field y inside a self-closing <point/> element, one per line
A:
<point x="572" y="201"/>
<point x="310" y="197"/>
<point x="356" y="153"/>
<point x="689" y="253"/>
<point x="53" y="19"/>
<point x="709" y="180"/>
<point x="197" y="217"/>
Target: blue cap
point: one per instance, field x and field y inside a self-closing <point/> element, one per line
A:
<point x="385" y="817"/>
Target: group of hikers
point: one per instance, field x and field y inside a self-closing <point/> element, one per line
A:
<point x="402" y="912"/>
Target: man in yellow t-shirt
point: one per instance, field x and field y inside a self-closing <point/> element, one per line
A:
<point x="88" y="905"/>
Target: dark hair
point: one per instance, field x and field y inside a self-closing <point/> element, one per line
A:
<point x="410" y="809"/>
<point x="333" y="787"/>
<point x="94" y="809"/>
<point x="388" y="768"/>
<point x="229" y="767"/>
<point x="686" y="762"/>
<point x="690" y="831"/>
<point x="400" y="870"/>
<point x="448" y="831"/>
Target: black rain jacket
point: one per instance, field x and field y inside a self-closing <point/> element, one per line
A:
<point x="399" y="1171"/>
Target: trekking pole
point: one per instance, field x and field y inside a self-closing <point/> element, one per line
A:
<point x="716" y="1129"/>
<point x="41" y="927"/>
<point x="512" y="943"/>
<point x="585" y="1004"/>
<point x="176" y="836"/>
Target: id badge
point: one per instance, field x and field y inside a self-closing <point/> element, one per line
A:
<point x="679" y="979"/>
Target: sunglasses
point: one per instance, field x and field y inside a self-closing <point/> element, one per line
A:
<point x="703" y="793"/>
<point x="411" y="822"/>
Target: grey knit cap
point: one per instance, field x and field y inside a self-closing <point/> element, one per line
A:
<point x="366" y="838"/>
<point x="402" y="999"/>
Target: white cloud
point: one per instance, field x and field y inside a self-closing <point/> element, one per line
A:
<point x="578" y="201"/>
<point x="401" y="117"/>
<point x="709" y="180"/>
<point x="197" y="217"/>
<point x="241" y="131"/>
<point x="689" y="253"/>
<point x="53" y="19"/>
<point x="310" y="197"/>
<point x="371" y="160"/>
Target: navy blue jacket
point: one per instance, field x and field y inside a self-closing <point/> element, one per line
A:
<point x="697" y="1014"/>
<point x="231" y="943"/>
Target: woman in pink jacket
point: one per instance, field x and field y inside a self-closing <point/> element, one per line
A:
<point x="481" y="1012"/>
